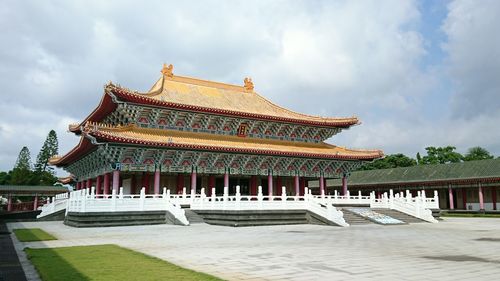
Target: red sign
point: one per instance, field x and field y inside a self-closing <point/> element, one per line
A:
<point x="242" y="130"/>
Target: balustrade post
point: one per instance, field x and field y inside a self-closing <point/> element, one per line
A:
<point x="283" y="195"/>
<point x="53" y="205"/>
<point x="202" y="197"/>
<point x="238" y="197"/>
<point x="83" y="201"/>
<point x="391" y="199"/>
<point x="436" y="200"/>
<point x="306" y="194"/>
<point x="213" y="197"/>
<point x="359" y="196"/>
<point x="142" y="199"/>
<point x="113" y="200"/>
<point x="259" y="196"/>
<point x="165" y="194"/>
<point x="193" y="195"/>
<point x="92" y="192"/>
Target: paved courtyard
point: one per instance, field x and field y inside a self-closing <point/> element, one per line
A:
<point x="455" y="249"/>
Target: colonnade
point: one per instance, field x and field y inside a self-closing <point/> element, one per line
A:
<point x="112" y="179"/>
<point x="480" y="189"/>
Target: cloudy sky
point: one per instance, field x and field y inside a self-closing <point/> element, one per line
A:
<point x="417" y="73"/>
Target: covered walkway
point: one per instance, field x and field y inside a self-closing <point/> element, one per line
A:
<point x="472" y="185"/>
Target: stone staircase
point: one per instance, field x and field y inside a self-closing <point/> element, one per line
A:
<point x="253" y="217"/>
<point x="193" y="217"/>
<point x="97" y="219"/>
<point x="354" y="219"/>
<point x="398" y="215"/>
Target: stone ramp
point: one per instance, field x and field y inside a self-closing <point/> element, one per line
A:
<point x="193" y="217"/>
<point x="353" y="218"/>
<point x="399" y="215"/>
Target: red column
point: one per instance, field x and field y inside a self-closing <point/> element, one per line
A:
<point x="279" y="186"/>
<point x="297" y="185"/>
<point x="253" y="185"/>
<point x="324" y="186"/>
<point x="133" y="185"/>
<point x="98" y="185"/>
<point x="193" y="182"/>
<point x="211" y="184"/>
<point x="302" y="186"/>
<point x="270" y="184"/>
<point x="106" y="183"/>
<point x="226" y="179"/>
<point x="344" y="185"/>
<point x="9" y="203"/>
<point x="145" y="181"/>
<point x="116" y="180"/>
<point x="481" y="199"/>
<point x="89" y="183"/>
<point x="35" y="203"/>
<point x="450" y="196"/>
<point x="180" y="183"/>
<point x="464" y="198"/>
<point x="77" y="187"/>
<point x="494" y="197"/>
<point x="157" y="182"/>
<point x="321" y="185"/>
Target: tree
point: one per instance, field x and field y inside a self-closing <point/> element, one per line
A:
<point x="390" y="161"/>
<point x="419" y="158"/>
<point x="477" y="153"/>
<point x="50" y="148"/>
<point x="441" y="155"/>
<point x="24" y="159"/>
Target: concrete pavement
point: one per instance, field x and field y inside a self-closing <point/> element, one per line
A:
<point x="455" y="249"/>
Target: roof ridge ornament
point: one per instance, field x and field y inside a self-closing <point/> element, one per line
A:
<point x="168" y="70"/>
<point x="248" y="84"/>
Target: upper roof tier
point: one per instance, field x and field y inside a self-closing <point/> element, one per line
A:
<point x="193" y="94"/>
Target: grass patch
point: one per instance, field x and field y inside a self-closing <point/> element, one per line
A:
<point x="469" y="215"/>
<point x="106" y="262"/>
<point x="32" y="234"/>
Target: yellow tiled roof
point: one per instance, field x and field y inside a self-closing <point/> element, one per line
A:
<point x="209" y="94"/>
<point x="202" y="141"/>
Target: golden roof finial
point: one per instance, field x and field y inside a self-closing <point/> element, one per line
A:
<point x="248" y="84"/>
<point x="167" y="70"/>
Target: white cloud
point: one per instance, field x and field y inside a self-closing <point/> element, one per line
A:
<point x="332" y="58"/>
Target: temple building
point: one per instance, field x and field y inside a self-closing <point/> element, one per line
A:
<point x="193" y="133"/>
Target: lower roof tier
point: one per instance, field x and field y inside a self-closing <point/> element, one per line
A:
<point x="133" y="135"/>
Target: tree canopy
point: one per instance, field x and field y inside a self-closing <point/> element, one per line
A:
<point x="441" y="155"/>
<point x="50" y="148"/>
<point x="23" y="173"/>
<point x="390" y="161"/>
<point x="23" y="161"/>
<point x="477" y="153"/>
<point x="435" y="155"/>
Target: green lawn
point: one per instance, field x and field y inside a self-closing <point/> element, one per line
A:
<point x="32" y="234"/>
<point x="468" y="215"/>
<point x="105" y="262"/>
